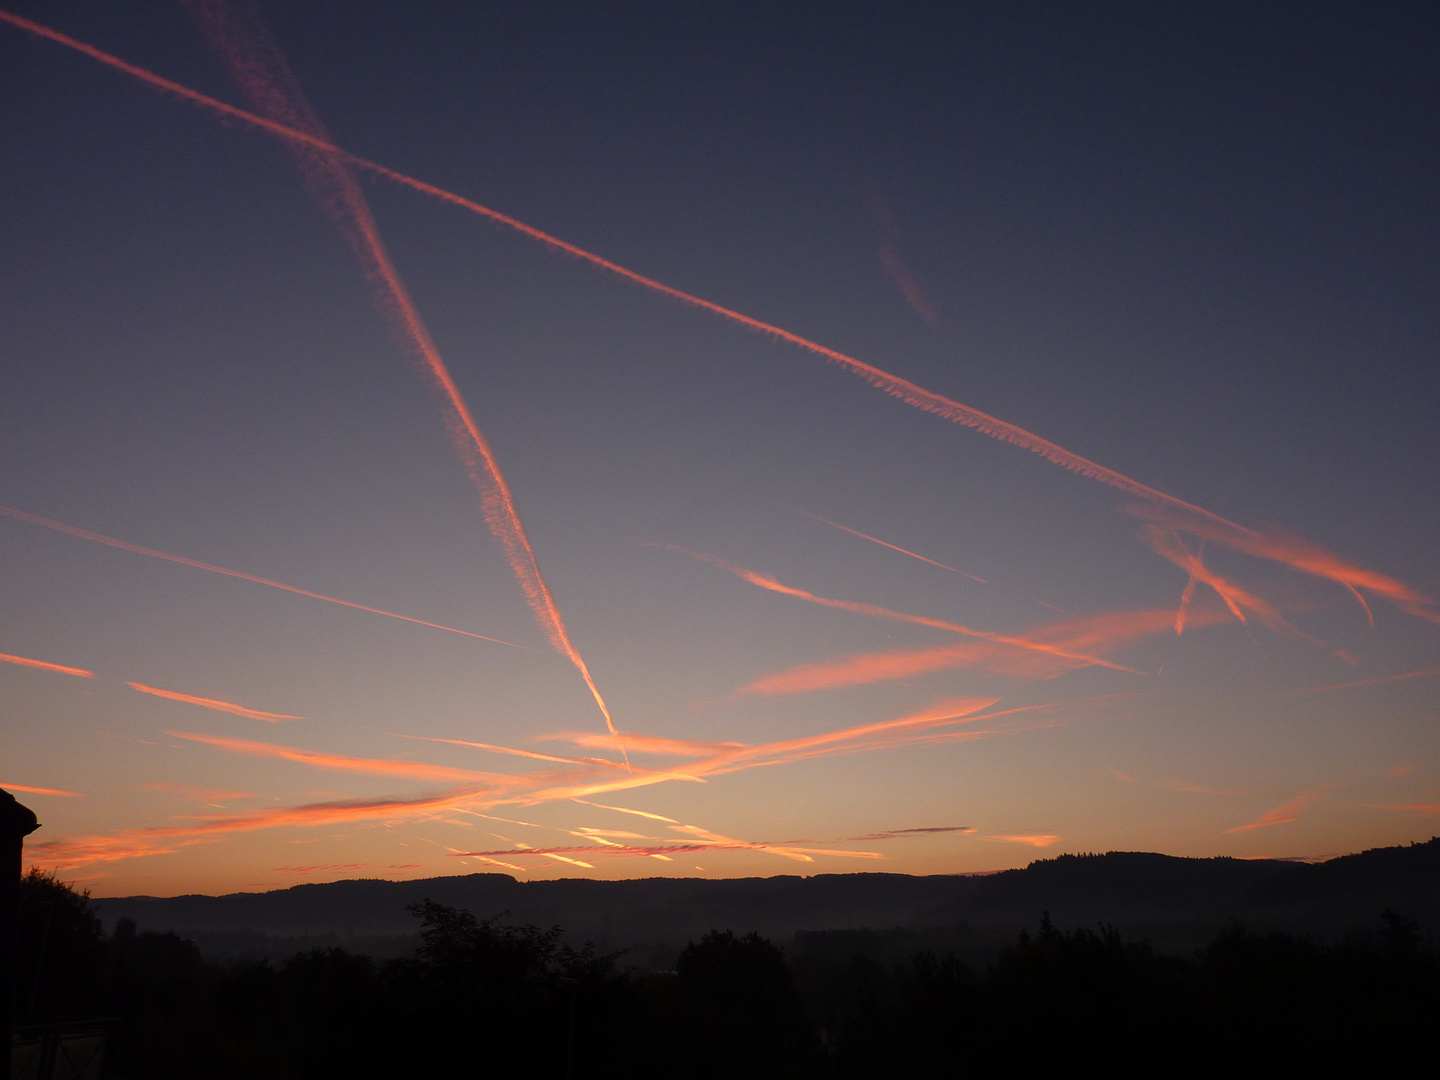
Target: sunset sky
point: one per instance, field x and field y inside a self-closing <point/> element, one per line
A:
<point x="714" y="440"/>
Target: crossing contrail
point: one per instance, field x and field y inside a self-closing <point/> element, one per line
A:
<point x="1297" y="553"/>
<point x="258" y="66"/>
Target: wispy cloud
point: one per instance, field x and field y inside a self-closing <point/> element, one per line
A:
<point x="1172" y="784"/>
<point x="890" y="260"/>
<point x="1035" y="840"/>
<point x="1284" y="813"/>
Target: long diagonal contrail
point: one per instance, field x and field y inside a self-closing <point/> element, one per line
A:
<point x="765" y="581"/>
<point x="1297" y="553"/>
<point x="110" y="541"/>
<point x="260" y="69"/>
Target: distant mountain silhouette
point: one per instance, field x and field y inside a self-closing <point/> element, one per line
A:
<point x="1176" y="903"/>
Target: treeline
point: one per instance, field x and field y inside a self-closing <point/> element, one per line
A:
<point x="481" y="997"/>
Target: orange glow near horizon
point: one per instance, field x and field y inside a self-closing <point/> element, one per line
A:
<point x="215" y="704"/>
<point x="1302" y="555"/>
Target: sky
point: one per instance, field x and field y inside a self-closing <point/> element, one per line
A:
<point x="651" y="439"/>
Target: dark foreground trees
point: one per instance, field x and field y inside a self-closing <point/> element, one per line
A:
<point x="485" y="998"/>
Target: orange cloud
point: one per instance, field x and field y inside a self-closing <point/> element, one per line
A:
<point x="1296" y="553"/>
<point x="42" y="665"/>
<point x="1283" y="814"/>
<point x="213" y="703"/>
<point x="42" y="791"/>
<point x="110" y="541"/>
<point x="257" y="65"/>
<point x="1037" y="840"/>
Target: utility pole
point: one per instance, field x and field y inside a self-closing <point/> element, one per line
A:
<point x="16" y="823"/>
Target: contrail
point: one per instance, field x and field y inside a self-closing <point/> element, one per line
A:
<point x="1421" y="674"/>
<point x="1098" y="633"/>
<point x="42" y="790"/>
<point x="409" y="770"/>
<point x="1290" y="551"/>
<point x="59" y="526"/>
<point x="765" y="581"/>
<point x="886" y="543"/>
<point x="213" y="703"/>
<point x="257" y="65"/>
<point x="42" y="665"/>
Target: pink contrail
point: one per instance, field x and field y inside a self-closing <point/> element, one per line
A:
<point x="886" y="543"/>
<point x="257" y="65"/>
<point x="42" y="790"/>
<point x="1421" y="674"/>
<point x="317" y="759"/>
<point x="1090" y="633"/>
<point x="1296" y="553"/>
<point x="765" y="581"/>
<point x="60" y="526"/>
<point x="214" y="703"/>
<point x="43" y="665"/>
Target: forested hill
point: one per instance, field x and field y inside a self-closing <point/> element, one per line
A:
<point x="1176" y="903"/>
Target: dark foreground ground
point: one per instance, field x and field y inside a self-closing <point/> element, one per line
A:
<point x="483" y="997"/>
